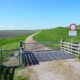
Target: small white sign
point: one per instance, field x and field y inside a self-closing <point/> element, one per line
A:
<point x="72" y="33"/>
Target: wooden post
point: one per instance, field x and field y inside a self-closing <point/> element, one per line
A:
<point x="79" y="49"/>
<point x="71" y="47"/>
<point x="61" y="43"/>
<point x="68" y="47"/>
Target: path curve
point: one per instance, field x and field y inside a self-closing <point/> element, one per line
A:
<point x="53" y="70"/>
<point x="34" y="45"/>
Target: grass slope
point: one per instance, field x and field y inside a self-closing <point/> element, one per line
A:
<point x="56" y="34"/>
<point x="12" y="42"/>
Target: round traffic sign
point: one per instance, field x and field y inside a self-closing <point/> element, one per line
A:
<point x="73" y="27"/>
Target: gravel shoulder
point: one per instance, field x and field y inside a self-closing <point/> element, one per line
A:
<point x="68" y="69"/>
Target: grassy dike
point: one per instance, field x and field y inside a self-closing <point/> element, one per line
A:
<point x="56" y="35"/>
<point x="12" y="42"/>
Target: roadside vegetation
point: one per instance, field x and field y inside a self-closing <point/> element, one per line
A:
<point x="21" y="78"/>
<point x="56" y="35"/>
<point x="12" y="42"/>
<point x="78" y="57"/>
<point x="21" y="74"/>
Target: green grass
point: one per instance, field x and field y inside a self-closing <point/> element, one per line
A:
<point x="56" y="35"/>
<point x="21" y="78"/>
<point x="12" y="42"/>
<point x="10" y="46"/>
<point x="21" y="75"/>
<point x="78" y="57"/>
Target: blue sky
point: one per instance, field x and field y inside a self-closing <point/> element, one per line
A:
<point x="38" y="14"/>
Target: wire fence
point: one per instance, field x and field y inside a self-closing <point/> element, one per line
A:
<point x="14" y="57"/>
<point x="10" y="57"/>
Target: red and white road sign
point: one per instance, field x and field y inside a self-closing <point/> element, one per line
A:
<point x="73" y="27"/>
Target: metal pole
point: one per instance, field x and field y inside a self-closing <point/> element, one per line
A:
<point x="21" y="44"/>
<point x="1" y="61"/>
<point x="21" y="53"/>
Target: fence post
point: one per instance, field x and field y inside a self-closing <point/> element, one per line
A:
<point x="1" y="61"/>
<point x="20" y="53"/>
<point x="61" y="43"/>
<point x="79" y="49"/>
<point x="21" y="43"/>
<point x="68" y="47"/>
<point x="71" y="47"/>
